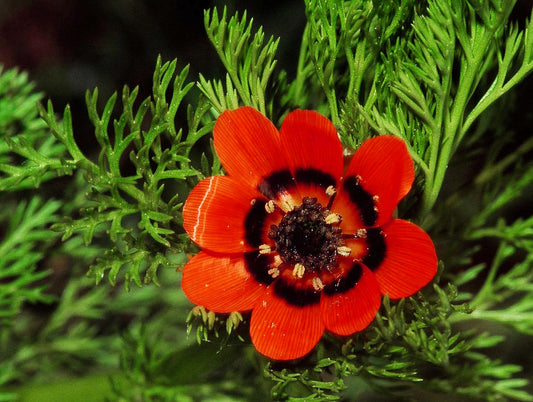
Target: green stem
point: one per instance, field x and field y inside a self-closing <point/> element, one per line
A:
<point x="487" y="290"/>
<point x="493" y="94"/>
<point x="442" y="148"/>
<point x="490" y="171"/>
<point x="301" y="76"/>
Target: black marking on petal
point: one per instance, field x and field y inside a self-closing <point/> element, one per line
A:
<point x="275" y="183"/>
<point x="345" y="283"/>
<point x="376" y="248"/>
<point x="258" y="265"/>
<point x="296" y="295"/>
<point x="314" y="176"/>
<point x="254" y="223"/>
<point x="363" y="199"/>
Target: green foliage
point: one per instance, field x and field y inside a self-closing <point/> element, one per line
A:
<point x="24" y="221"/>
<point x="249" y="63"/>
<point x="443" y="82"/>
<point x="28" y="155"/>
<point x="152" y="371"/>
<point x="207" y="322"/>
<point x="140" y="210"/>
<point x="22" y="245"/>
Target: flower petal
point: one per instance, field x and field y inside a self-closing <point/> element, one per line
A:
<point x="409" y="262"/>
<point x="312" y="148"/>
<point x="284" y="331"/>
<point x="380" y="174"/>
<point x="351" y="306"/>
<point x="220" y="283"/>
<point x="223" y="215"/>
<point x="248" y="145"/>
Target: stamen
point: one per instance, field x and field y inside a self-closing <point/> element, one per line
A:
<point x="273" y="272"/>
<point x="307" y="237"/>
<point x="265" y="249"/>
<point x="330" y="191"/>
<point x="344" y="251"/>
<point x="361" y="233"/>
<point x="317" y="284"/>
<point x="298" y="270"/>
<point x="270" y="206"/>
<point x="277" y="260"/>
<point x="287" y="205"/>
<point x="333" y="218"/>
<point x="375" y="198"/>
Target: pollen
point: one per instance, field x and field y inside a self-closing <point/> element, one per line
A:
<point x="317" y="284"/>
<point x="375" y="198"/>
<point x="298" y="271"/>
<point x="333" y="218"/>
<point x="265" y="249"/>
<point x="361" y="233"/>
<point x="287" y="205"/>
<point x="270" y="206"/>
<point x="273" y="272"/>
<point x="330" y="191"/>
<point x="307" y="237"/>
<point x="344" y="251"/>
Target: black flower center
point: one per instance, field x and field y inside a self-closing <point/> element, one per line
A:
<point x="303" y="236"/>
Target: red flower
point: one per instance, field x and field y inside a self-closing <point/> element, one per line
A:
<point x="289" y="235"/>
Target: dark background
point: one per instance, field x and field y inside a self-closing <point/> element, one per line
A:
<point x="69" y="46"/>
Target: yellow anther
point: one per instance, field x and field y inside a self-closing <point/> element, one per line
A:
<point x="270" y="206"/>
<point x="361" y="233"/>
<point x="265" y="249"/>
<point x="287" y="205"/>
<point x="330" y="191"/>
<point x="273" y="272"/>
<point x="298" y="270"/>
<point x="317" y="284"/>
<point x="333" y="218"/>
<point x="344" y="251"/>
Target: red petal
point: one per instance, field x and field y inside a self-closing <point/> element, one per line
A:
<point x="215" y="211"/>
<point x="384" y="168"/>
<point x="282" y="331"/>
<point x="220" y="283"/>
<point x="248" y="145"/>
<point x="410" y="260"/>
<point x="310" y="140"/>
<point x="348" y="312"/>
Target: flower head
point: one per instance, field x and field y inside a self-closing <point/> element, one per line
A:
<point x="292" y="236"/>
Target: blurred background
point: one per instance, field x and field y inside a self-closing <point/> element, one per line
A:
<point x="69" y="46"/>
